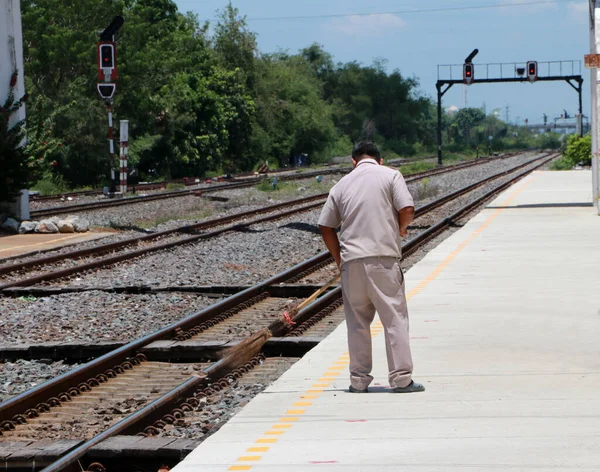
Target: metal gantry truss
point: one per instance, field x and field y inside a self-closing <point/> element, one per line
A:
<point x="553" y="71"/>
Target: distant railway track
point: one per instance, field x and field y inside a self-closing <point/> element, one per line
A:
<point x="163" y="373"/>
<point x="15" y="274"/>
<point x="187" y="181"/>
<point x="66" y="209"/>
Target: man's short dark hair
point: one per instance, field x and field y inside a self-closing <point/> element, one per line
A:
<point x="365" y="148"/>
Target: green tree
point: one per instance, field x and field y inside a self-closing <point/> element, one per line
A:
<point x="291" y="115"/>
<point x="234" y="45"/>
<point x="199" y="114"/>
<point x="467" y="120"/>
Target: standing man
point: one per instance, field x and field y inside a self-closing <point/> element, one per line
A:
<point x="374" y="208"/>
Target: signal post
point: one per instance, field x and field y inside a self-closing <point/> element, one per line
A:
<point x="557" y="71"/>
<point x="107" y="77"/>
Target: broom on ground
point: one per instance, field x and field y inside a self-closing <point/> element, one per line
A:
<point x="253" y="344"/>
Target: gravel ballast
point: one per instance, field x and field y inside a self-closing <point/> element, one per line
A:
<point x="93" y="316"/>
<point x="242" y="258"/>
<point x="265" y="249"/>
<point x="17" y="377"/>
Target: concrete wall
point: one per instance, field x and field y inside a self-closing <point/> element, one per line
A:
<point x="11" y="50"/>
<point x="11" y="59"/>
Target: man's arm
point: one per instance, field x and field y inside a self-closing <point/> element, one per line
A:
<point x="405" y="217"/>
<point x="330" y="238"/>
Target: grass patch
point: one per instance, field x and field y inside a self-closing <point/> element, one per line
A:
<point x="175" y="186"/>
<point x="425" y="189"/>
<point x="267" y="186"/>
<point x="198" y="213"/>
<point x="291" y="188"/>
<point x="562" y="164"/>
<point x="49" y="187"/>
<point x="415" y="167"/>
<point x="147" y="224"/>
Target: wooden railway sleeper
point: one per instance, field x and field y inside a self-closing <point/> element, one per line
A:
<point x="64" y="397"/>
<point x="298" y="331"/>
<point x="310" y="271"/>
<point x="184" y="335"/>
<point x="192" y="403"/>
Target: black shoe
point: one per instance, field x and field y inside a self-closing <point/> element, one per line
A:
<point x="412" y="387"/>
<point x="351" y="389"/>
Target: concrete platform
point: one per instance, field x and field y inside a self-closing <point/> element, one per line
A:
<point x="505" y="325"/>
<point x="25" y="244"/>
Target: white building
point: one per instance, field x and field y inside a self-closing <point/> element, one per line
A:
<point x="11" y="50"/>
<point x="11" y="59"/>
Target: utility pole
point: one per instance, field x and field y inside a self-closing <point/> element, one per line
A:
<point x="594" y="47"/>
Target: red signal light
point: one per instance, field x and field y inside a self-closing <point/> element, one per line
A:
<point x="532" y="71"/>
<point x="468" y="73"/>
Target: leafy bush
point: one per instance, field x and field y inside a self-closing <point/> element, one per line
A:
<point x="561" y="164"/>
<point x="266" y="186"/>
<point x="548" y="141"/>
<point x="50" y="185"/>
<point x="579" y="150"/>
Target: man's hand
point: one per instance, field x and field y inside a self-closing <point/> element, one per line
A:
<point x="405" y="217"/>
<point x="330" y="238"/>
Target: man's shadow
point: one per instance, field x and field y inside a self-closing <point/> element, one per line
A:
<point x="303" y="227"/>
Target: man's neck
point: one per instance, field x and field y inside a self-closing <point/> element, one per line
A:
<point x="367" y="160"/>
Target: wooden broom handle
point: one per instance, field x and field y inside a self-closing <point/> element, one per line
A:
<point x="313" y="297"/>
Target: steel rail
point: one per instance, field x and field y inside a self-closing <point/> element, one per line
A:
<point x="147" y="415"/>
<point x="174" y="194"/>
<point x="191" y="181"/>
<point x="422" y="238"/>
<point x="161" y="406"/>
<point x="278" y="327"/>
<point x="55" y="386"/>
<point x="191" y="239"/>
<point x="60" y="384"/>
<point x="8" y="268"/>
<point x="220" y="187"/>
<point x="59" y="274"/>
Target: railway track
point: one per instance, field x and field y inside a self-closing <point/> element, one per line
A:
<point x="249" y="182"/>
<point x="167" y="239"/>
<point x="187" y="181"/>
<point x="174" y="370"/>
<point x="14" y="274"/>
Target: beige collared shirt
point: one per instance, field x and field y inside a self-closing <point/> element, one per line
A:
<point x="366" y="203"/>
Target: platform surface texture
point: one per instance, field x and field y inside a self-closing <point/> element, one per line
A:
<point x="505" y="332"/>
<point x="30" y="244"/>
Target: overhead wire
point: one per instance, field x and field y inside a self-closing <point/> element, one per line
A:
<point x="404" y="12"/>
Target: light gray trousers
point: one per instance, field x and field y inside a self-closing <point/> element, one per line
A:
<point x="376" y="284"/>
